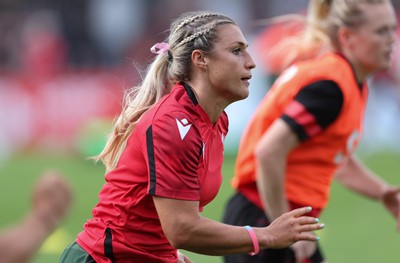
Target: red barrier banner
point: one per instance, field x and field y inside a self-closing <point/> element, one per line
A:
<point x="50" y="113"/>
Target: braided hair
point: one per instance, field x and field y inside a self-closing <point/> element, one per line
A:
<point x="190" y="31"/>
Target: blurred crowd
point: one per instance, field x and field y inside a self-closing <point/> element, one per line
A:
<point x="64" y="63"/>
<point x="103" y="33"/>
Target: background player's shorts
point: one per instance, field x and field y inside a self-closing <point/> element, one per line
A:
<point x="241" y="212"/>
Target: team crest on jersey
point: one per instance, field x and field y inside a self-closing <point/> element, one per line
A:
<point x="353" y="141"/>
<point x="351" y="145"/>
<point x="183" y="127"/>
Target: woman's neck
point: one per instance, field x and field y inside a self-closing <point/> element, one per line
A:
<point x="212" y="104"/>
<point x="359" y="72"/>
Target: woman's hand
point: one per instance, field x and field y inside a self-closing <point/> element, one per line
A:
<point x="303" y="250"/>
<point x="51" y="197"/>
<point x="291" y="227"/>
<point x="183" y="259"/>
<point x="391" y="200"/>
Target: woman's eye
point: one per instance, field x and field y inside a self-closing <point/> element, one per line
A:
<point x="236" y="51"/>
<point x="386" y="30"/>
<point x="382" y="31"/>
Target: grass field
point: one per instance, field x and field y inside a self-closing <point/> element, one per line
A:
<point x="357" y="230"/>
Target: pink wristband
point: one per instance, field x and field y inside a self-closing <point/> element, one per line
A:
<point x="254" y="239"/>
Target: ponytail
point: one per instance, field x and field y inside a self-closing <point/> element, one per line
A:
<point x="191" y="31"/>
<point x="307" y="38"/>
<point x="319" y="33"/>
<point x="317" y="14"/>
<point x="136" y="102"/>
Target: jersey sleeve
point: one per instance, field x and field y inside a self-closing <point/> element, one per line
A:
<point x="314" y="108"/>
<point x="173" y="151"/>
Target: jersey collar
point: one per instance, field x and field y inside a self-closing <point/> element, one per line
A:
<point x="190" y="92"/>
<point x="360" y="84"/>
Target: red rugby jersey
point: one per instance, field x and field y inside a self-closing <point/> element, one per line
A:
<point x="175" y="152"/>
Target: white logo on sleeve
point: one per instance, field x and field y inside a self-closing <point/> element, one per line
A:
<point x="183" y="127"/>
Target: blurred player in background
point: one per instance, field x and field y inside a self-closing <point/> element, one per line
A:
<point x="51" y="200"/>
<point x="308" y="126"/>
<point x="165" y="154"/>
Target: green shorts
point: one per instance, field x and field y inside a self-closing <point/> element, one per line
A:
<point x="74" y="253"/>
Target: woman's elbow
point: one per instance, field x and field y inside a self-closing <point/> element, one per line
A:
<point x="177" y="236"/>
<point x="263" y="154"/>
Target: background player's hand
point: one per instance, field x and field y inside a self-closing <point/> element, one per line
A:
<point x="391" y="200"/>
<point x="182" y="258"/>
<point x="52" y="197"/>
<point x="291" y="227"/>
<point x="303" y="250"/>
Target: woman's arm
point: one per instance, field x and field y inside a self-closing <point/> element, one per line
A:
<point x="358" y="178"/>
<point x="186" y="229"/>
<point x="51" y="200"/>
<point x="271" y="153"/>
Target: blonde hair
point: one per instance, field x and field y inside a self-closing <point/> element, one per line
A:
<point x="190" y="31"/>
<point x="321" y="24"/>
<point x="342" y="13"/>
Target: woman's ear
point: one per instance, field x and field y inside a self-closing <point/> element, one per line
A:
<point x="198" y="59"/>
<point x="345" y="37"/>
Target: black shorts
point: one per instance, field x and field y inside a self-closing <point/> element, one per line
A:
<point x="241" y="212"/>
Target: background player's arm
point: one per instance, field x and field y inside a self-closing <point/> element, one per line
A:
<point x="355" y="176"/>
<point x="20" y="242"/>
<point x="271" y="153"/>
<point x="51" y="200"/>
<point x="321" y="102"/>
<point x="358" y="178"/>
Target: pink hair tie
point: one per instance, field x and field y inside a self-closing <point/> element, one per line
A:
<point x="160" y="48"/>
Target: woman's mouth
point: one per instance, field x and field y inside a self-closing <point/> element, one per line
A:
<point x="246" y="78"/>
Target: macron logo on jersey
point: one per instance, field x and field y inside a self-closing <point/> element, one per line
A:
<point x="183" y="127"/>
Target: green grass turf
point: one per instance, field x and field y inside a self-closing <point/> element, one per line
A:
<point x="358" y="230"/>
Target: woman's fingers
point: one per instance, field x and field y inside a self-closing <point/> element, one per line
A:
<point x="183" y="258"/>
<point x="300" y="211"/>
<point x="311" y="228"/>
<point x="293" y="226"/>
<point x="306" y="223"/>
<point x="306" y="236"/>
